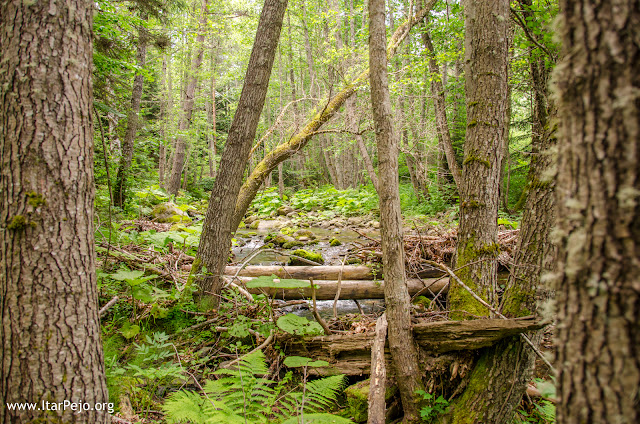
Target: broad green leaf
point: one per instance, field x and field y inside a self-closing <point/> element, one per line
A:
<point x="129" y="331"/>
<point x="143" y="292"/>
<point x="301" y="361"/>
<point x="300" y="326"/>
<point x="124" y="275"/>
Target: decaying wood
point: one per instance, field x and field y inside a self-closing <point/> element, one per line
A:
<point x="378" y="379"/>
<point x="324" y="272"/>
<point x="350" y="289"/>
<point x="351" y="354"/>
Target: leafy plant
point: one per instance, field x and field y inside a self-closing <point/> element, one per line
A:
<point x="300" y="326"/>
<point x="246" y="395"/>
<point x="433" y="406"/>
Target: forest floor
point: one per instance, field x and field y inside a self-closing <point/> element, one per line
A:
<point x="157" y="342"/>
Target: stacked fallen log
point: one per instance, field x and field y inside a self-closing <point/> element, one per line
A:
<point x="349" y="289"/>
<point x="323" y="272"/>
<point x="351" y="354"/>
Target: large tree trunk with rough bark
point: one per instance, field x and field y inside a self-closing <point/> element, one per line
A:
<point x="50" y="347"/>
<point x="217" y="229"/>
<point x="598" y="205"/>
<point x="487" y="398"/>
<point x="396" y="295"/>
<point x="187" y="106"/>
<point x="486" y="87"/>
<point x="124" y="168"/>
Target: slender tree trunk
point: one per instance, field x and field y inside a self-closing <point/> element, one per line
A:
<point x="598" y="200"/>
<point x="367" y="162"/>
<point x="397" y="300"/>
<point x="187" y="105"/>
<point x="212" y="114"/>
<point x="486" y="26"/>
<point x="120" y="195"/>
<point x="162" y="156"/>
<point x="50" y="347"/>
<point x="442" y="125"/>
<point x="217" y="229"/>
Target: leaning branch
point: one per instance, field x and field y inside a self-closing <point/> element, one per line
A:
<point x="302" y="137"/>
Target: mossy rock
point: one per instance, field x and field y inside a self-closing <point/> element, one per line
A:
<point x="169" y="212"/>
<point x="282" y="239"/>
<point x="177" y="227"/>
<point x="254" y="224"/>
<point x="334" y="242"/>
<point x="284" y="210"/>
<point x="291" y="244"/>
<point x="304" y="233"/>
<point x="306" y="254"/>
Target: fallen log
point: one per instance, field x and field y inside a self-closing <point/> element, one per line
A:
<point x="350" y="289"/>
<point x="323" y="272"/>
<point x="351" y="354"/>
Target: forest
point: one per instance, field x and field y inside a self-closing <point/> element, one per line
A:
<point x="338" y="211"/>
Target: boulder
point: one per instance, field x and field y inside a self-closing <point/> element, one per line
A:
<point x="306" y="254"/>
<point x="284" y="210"/>
<point x="169" y="212"/>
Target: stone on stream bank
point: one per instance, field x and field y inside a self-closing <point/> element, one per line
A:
<point x="169" y="212"/>
<point x="306" y="254"/>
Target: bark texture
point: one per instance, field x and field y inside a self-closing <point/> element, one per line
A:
<point x="217" y="228"/>
<point x="50" y="348"/>
<point x="396" y="295"/>
<point x="120" y="195"/>
<point x="486" y="26"/>
<point x="598" y="201"/>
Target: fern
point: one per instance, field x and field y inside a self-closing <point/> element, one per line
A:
<point x="246" y="393"/>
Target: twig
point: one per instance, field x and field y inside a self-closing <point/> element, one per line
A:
<point x="335" y="299"/>
<point x="106" y="307"/>
<point x="192" y="376"/>
<point x="317" y="316"/>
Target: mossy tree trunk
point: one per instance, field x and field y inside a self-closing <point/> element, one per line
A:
<point x="486" y="32"/>
<point x="486" y="87"/>
<point x="215" y="241"/>
<point x="507" y="367"/>
<point x="396" y="296"/>
<point x="50" y="347"/>
<point x="598" y="200"/>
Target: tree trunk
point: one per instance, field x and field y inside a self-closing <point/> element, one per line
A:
<point x="486" y="26"/>
<point x="120" y="195"/>
<point x="367" y="162"/>
<point x="187" y="105"/>
<point x="397" y="300"/>
<point x="212" y="114"/>
<point x="217" y="228"/>
<point x="442" y="125"/>
<point x="598" y="186"/>
<point x="329" y="108"/>
<point x="50" y="347"/>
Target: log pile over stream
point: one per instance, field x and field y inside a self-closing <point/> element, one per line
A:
<point x="350" y="354"/>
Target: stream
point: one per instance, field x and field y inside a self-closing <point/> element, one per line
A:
<point x="251" y="240"/>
